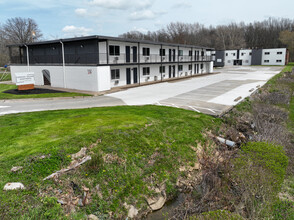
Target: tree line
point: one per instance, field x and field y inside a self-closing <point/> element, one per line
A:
<point x="270" y="33"/>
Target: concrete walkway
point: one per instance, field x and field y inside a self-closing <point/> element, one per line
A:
<point x="210" y="94"/>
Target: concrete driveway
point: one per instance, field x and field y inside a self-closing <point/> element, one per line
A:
<point x="210" y="94"/>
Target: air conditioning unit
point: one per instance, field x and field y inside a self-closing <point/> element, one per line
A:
<point x="115" y="59"/>
<point x="147" y="59"/>
<point x="116" y="82"/>
<point x="155" y="78"/>
<point x="186" y="73"/>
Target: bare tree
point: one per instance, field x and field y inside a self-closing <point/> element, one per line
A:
<point x="20" y="30"/>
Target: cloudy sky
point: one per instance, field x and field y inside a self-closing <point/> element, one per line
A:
<point x="68" y="18"/>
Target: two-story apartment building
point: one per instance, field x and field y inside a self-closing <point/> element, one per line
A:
<point x="99" y="63"/>
<point x="247" y="57"/>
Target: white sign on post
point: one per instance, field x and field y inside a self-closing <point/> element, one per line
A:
<point x="25" y="78"/>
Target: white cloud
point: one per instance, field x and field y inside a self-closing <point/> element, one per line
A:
<point x="143" y="15"/>
<point x="142" y="30"/>
<point x="81" y="11"/>
<point x="71" y="30"/>
<point x="122" y="4"/>
<point x="183" y="4"/>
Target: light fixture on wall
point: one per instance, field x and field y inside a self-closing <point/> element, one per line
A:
<point x="82" y="46"/>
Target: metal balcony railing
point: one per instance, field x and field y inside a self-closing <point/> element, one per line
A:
<point x="92" y="58"/>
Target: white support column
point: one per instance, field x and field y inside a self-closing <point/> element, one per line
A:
<point x="28" y="58"/>
<point x="63" y="64"/>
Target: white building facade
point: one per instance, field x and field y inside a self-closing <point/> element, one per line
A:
<point x="247" y="57"/>
<point x="98" y="63"/>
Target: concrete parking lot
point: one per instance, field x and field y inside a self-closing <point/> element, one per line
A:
<point x="209" y="94"/>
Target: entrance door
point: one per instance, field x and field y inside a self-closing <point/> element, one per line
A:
<point x="46" y="76"/>
<point x="128" y="54"/>
<point x="135" y="75"/>
<point x="174" y="71"/>
<point x="174" y="55"/>
<point x="135" y="51"/>
<point x="170" y="55"/>
<point x="197" y="68"/>
<point x="169" y="71"/>
<point x="128" y="76"/>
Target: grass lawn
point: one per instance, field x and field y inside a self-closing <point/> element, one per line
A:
<point x="4" y="87"/>
<point x="6" y="78"/>
<point x="148" y="144"/>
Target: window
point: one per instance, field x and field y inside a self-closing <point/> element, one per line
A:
<point x="266" y="61"/>
<point x="114" y="50"/>
<point x="242" y="54"/>
<point x="234" y="54"/>
<point x="180" y="53"/>
<point x="190" y="53"/>
<point x="226" y="54"/>
<point x="201" y="66"/>
<point x="180" y="67"/>
<point x="146" y="51"/>
<point x="267" y="53"/>
<point x="146" y="70"/>
<point x="279" y="61"/>
<point x="162" y="52"/>
<point x="279" y="52"/>
<point x="190" y="67"/>
<point x="115" y="74"/>
<point x="162" y="69"/>
<point x="250" y="53"/>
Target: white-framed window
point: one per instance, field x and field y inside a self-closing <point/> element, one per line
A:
<point x="162" y="69"/>
<point x="114" y="50"/>
<point x="250" y="53"/>
<point x="227" y="54"/>
<point x="180" y="52"/>
<point x="162" y="52"/>
<point x="201" y="66"/>
<point x="146" y="71"/>
<point x="115" y="74"/>
<point x="279" y="61"/>
<point x="180" y="67"/>
<point x="190" y="66"/>
<point x="146" y="51"/>
<point x="279" y="52"/>
<point x="266" y="61"/>
<point x="190" y="53"/>
<point x="267" y="53"/>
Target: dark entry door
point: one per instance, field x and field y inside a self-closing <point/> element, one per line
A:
<point x="169" y="71"/>
<point x="195" y="69"/>
<point x="174" y="71"/>
<point x="128" y="54"/>
<point x="47" y="78"/>
<point x="135" y="51"/>
<point x="170" y="55"/>
<point x="128" y="73"/>
<point x="135" y="75"/>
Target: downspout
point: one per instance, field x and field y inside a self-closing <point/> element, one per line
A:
<point x="63" y="63"/>
<point x="28" y="57"/>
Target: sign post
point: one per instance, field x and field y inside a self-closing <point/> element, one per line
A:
<point x="25" y="81"/>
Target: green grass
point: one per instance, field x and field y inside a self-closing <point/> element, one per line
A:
<point x="6" y="78"/>
<point x="4" y="87"/>
<point x="133" y="134"/>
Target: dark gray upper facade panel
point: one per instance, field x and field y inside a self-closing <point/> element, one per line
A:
<point x="256" y="58"/>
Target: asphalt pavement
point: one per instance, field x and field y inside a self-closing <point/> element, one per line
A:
<point x="210" y="94"/>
